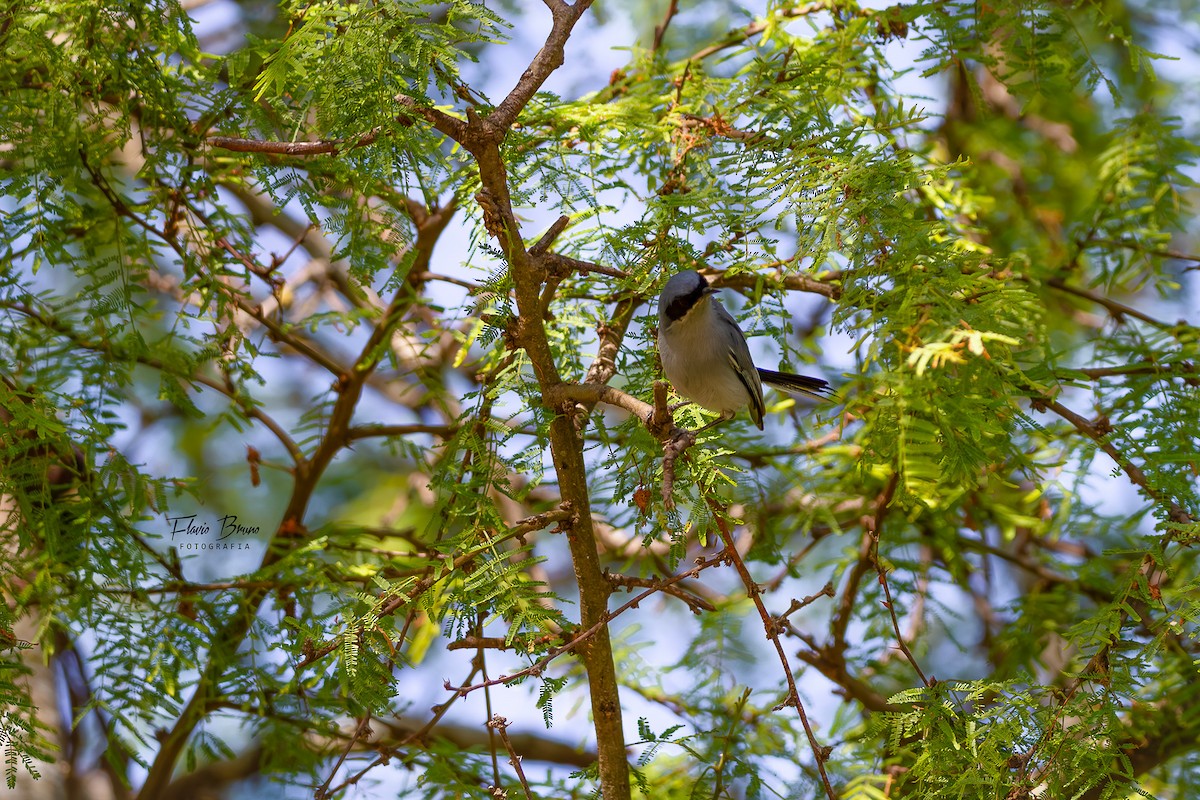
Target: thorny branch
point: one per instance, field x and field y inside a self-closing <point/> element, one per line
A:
<point x="889" y="604"/>
<point x="581" y="637"/>
<point x="439" y="711"/>
<point x="1099" y="435"/>
<point x="329" y="147"/>
<point x="308" y="471"/>
<point x="826" y="284"/>
<point x="531" y="274"/>
<point x="698" y="605"/>
<point x="660" y="30"/>
<point x="772" y="629"/>
<point x="500" y="725"/>
<point x="1118" y="310"/>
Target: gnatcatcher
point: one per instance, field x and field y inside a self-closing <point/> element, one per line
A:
<point x="705" y="356"/>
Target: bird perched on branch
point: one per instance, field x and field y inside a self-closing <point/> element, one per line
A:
<point x="705" y="356"/>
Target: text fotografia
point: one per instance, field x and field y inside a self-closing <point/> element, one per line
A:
<point x="225" y="533"/>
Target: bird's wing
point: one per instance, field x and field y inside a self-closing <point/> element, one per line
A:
<point x="743" y="364"/>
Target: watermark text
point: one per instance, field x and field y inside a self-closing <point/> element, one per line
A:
<point x="189" y="532"/>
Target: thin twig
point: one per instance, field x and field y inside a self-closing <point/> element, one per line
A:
<point x="826" y="591"/>
<point x="540" y="665"/>
<point x="1174" y="511"/>
<point x="890" y="606"/>
<point x="1158" y="252"/>
<point x="1118" y="310"/>
<point x="362" y="729"/>
<point x="736" y="37"/>
<point x="481" y="663"/>
<point x="660" y="30"/>
<point x="696" y="604"/>
<point x="1182" y="369"/>
<point x="500" y="642"/>
<point x="327" y="147"/>
<point x="500" y="725"/>
<point x="417" y="735"/>
<point x="672" y="450"/>
<point x="772" y="629"/>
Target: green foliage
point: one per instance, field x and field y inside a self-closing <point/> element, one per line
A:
<point x="270" y="280"/>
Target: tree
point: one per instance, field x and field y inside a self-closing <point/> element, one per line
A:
<point x="983" y="547"/>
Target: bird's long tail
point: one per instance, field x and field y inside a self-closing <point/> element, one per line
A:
<point x="796" y="384"/>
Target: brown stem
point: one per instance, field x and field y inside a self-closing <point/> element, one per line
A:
<point x="1174" y="511"/>
<point x="417" y="735"/>
<point x="331" y="147"/>
<point x="500" y="725"/>
<point x="582" y="637"/>
<point x="308" y="473"/>
<point x="826" y="286"/>
<point x="482" y="137"/>
<point x="889" y="604"/>
<point x="660" y="30"/>
<point x="695" y="603"/>
<point x="772" y="629"/>
<point x="1118" y="310"/>
<point x="548" y="59"/>
<point x="592" y="393"/>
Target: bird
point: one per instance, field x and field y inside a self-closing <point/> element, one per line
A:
<point x="705" y="356"/>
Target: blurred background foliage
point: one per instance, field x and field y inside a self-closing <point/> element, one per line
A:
<point x="247" y="273"/>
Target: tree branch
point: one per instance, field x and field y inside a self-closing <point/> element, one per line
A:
<point x="890" y="605"/>
<point x="795" y="283"/>
<point x="736" y="37"/>
<point x="592" y="393"/>
<point x="549" y="58"/>
<point x="370" y="431"/>
<point x="1174" y="511"/>
<point x="291" y="528"/>
<point x="562" y="263"/>
<point x="327" y="147"/>
<point x="1118" y="310"/>
<point x="453" y="127"/>
<point x="660" y="30"/>
<point x="772" y="630"/>
<point x="582" y="637"/>
<point x="696" y="604"/>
